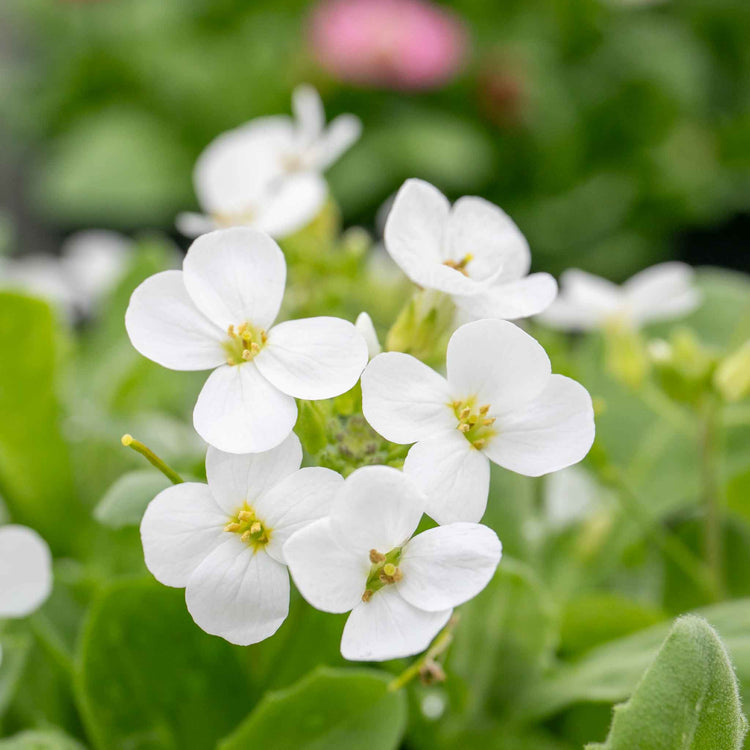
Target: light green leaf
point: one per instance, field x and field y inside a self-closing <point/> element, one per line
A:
<point x="14" y="650"/>
<point x="125" y="501"/>
<point x="610" y="672"/>
<point x="44" y="739"/>
<point x="327" y="710"/>
<point x="148" y="677"/>
<point x="687" y="700"/>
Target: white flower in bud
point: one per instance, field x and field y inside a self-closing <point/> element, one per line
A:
<point x="365" y="326"/>
<point x="500" y="403"/>
<point x="662" y="292"/>
<point x="362" y="558"/>
<point x="223" y="541"/>
<point x="217" y="313"/>
<point x="25" y="571"/>
<point x="472" y="251"/>
<point x="268" y="173"/>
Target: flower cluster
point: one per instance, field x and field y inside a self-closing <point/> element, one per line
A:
<point x="350" y="543"/>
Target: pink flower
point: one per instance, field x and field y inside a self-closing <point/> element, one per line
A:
<point x="402" y="44"/>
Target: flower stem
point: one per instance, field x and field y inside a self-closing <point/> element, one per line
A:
<point x="438" y="648"/>
<point x="130" y="442"/>
<point x="712" y="495"/>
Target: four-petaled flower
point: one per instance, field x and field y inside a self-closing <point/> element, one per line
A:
<point x="223" y="541"/>
<point x="471" y="251"/>
<point x="661" y="292"/>
<point x="362" y="557"/>
<point x="499" y="403"/>
<point x="217" y="313"/>
<point x="268" y="173"/>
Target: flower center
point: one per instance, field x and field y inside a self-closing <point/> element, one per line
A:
<point x="251" y="530"/>
<point x="460" y="265"/>
<point x="234" y="218"/>
<point x="384" y="571"/>
<point x="244" y="343"/>
<point x="473" y="422"/>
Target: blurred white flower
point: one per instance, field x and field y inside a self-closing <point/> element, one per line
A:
<point x="499" y="403"/>
<point x="362" y="558"/>
<point x="365" y="326"/>
<point x="25" y="571"/>
<point x="223" y="542"/>
<point x="217" y="313"/>
<point x="471" y="251"/>
<point x="661" y="292"/>
<point x="569" y="496"/>
<point x="268" y="173"/>
<point x="90" y="264"/>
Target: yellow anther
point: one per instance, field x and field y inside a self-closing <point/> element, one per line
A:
<point x="464" y="412"/>
<point x="232" y="526"/>
<point x="488" y="422"/>
<point x="376" y="557"/>
<point x="484" y="409"/>
<point x="246" y="536"/>
<point x="479" y="444"/>
<point x="247" y="355"/>
<point x="367" y="595"/>
<point x="463" y="427"/>
<point x="231" y="332"/>
<point x="254" y="348"/>
<point x="256" y="528"/>
<point x="245" y="515"/>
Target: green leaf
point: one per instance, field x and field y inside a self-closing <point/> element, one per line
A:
<point x="327" y="710"/>
<point x="148" y="677"/>
<point x="35" y="476"/>
<point x="44" y="739"/>
<point x="610" y="672"/>
<point x="687" y="700"/>
<point x="14" y="650"/>
<point x="125" y="501"/>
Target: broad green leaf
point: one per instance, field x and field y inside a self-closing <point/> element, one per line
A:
<point x="687" y="699"/>
<point x="148" y="677"/>
<point x="610" y="672"/>
<point x="125" y="501"/>
<point x="43" y="739"/>
<point x="35" y="476"/>
<point x="327" y="710"/>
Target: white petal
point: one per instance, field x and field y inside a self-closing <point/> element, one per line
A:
<point x="554" y="430"/>
<point x="338" y="137"/>
<point x="480" y="229"/>
<point x="585" y="302"/>
<point x="569" y="496"/>
<point x="182" y="525"/>
<point x="194" y="225"/>
<point x="448" y="565"/>
<point x="405" y="400"/>
<point x="377" y="508"/>
<point x="238" y="594"/>
<point x="291" y="203"/>
<point x="165" y="326"/>
<point x="510" y="300"/>
<point x="236" y="276"/>
<point x="238" y="478"/>
<point x="365" y="326"/>
<point x="313" y="358"/>
<point x="498" y="363"/>
<point x="25" y="571"/>
<point x="453" y="475"/>
<point x="662" y="292"/>
<point x="307" y="107"/>
<point x="331" y="577"/>
<point x="295" y="502"/>
<point x="95" y="260"/>
<point x="239" y="411"/>
<point x="388" y="627"/>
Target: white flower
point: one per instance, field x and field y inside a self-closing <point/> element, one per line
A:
<point x="365" y="326"/>
<point x="362" y="558"/>
<point x="223" y="542"/>
<point x="471" y="251"/>
<point x="268" y="173"/>
<point x="569" y="496"/>
<point x="586" y="302"/>
<point x="499" y="403"/>
<point x="25" y="571"/>
<point x="217" y="313"/>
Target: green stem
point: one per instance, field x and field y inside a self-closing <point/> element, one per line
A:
<point x="439" y="646"/>
<point x="711" y="493"/>
<point x="51" y="641"/>
<point x="130" y="442"/>
<point x="669" y="544"/>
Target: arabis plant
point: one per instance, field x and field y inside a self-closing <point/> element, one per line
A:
<point x="218" y="312"/>
<point x="268" y="173"/>
<point x="499" y="402"/>
<point x="662" y="292"/>
<point x="471" y="251"/>
<point x="223" y="541"/>
<point x="362" y="558"/>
